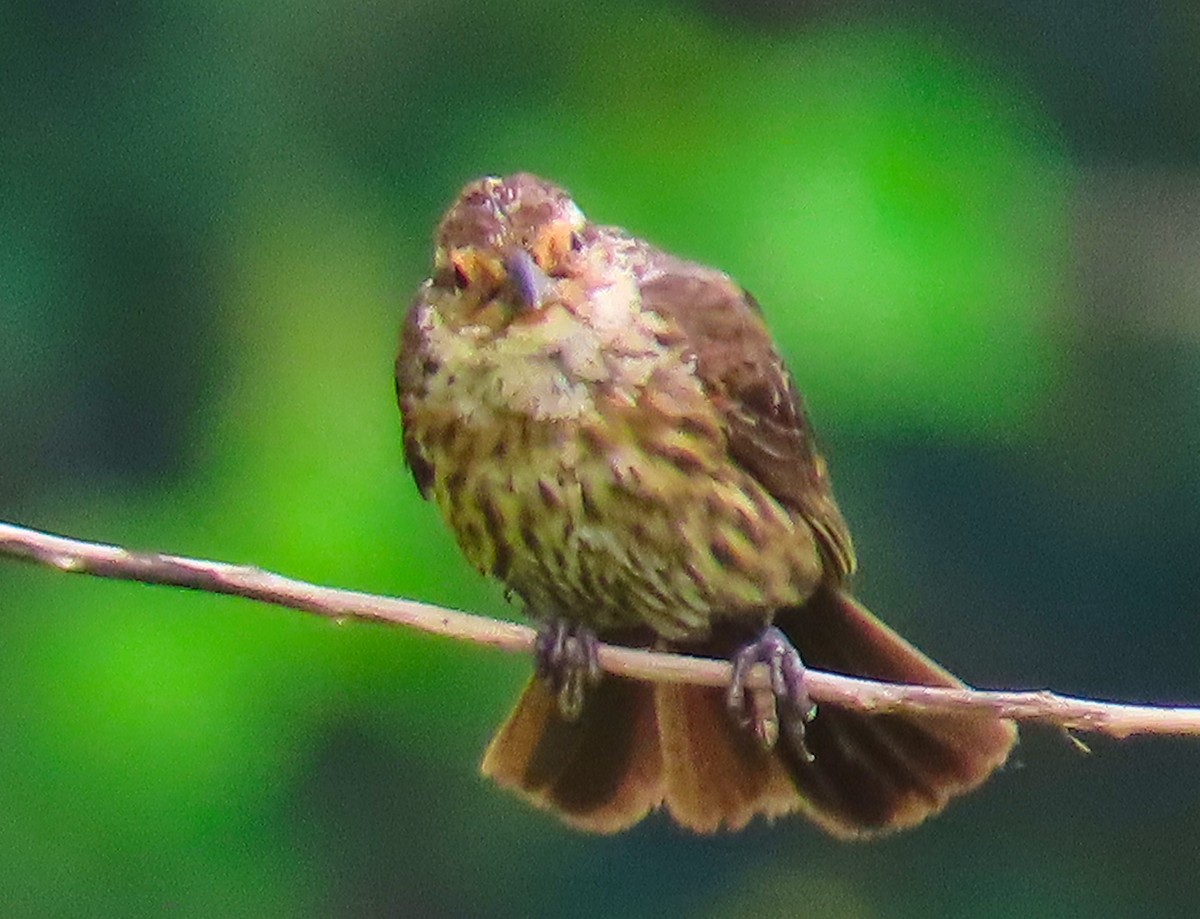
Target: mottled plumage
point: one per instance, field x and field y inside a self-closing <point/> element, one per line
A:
<point x="610" y="431"/>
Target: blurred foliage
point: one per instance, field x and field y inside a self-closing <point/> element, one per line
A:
<point x="211" y="219"/>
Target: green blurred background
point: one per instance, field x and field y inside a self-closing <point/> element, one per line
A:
<point x="975" y="229"/>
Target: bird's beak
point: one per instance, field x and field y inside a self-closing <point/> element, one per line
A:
<point x="528" y="280"/>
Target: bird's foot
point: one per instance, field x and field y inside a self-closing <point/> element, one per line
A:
<point x="786" y="706"/>
<point x="568" y="660"/>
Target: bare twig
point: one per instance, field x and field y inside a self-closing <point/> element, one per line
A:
<point x="72" y="555"/>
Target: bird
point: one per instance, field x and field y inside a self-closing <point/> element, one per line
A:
<point x="610" y="431"/>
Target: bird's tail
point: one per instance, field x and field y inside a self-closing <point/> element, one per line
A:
<point x="601" y="773"/>
<point x="639" y="746"/>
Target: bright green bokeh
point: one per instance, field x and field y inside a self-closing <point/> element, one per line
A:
<point x="897" y="201"/>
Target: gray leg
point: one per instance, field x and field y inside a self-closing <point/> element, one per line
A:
<point x="790" y="707"/>
<point x="567" y="660"/>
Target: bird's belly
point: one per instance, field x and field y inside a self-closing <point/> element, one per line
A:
<point x="594" y="526"/>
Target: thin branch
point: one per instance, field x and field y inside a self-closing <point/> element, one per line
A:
<point x="77" y="556"/>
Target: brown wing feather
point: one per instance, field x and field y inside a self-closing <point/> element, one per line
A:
<point x="411" y="371"/>
<point x="768" y="432"/>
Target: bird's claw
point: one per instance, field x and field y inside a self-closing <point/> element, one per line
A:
<point x="568" y="660"/>
<point x="787" y="705"/>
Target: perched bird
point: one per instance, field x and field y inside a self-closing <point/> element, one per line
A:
<point x="610" y="431"/>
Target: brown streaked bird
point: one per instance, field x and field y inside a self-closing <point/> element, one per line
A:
<point x="610" y="431"/>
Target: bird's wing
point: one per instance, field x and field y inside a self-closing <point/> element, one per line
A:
<point x="410" y="383"/>
<point x="767" y="430"/>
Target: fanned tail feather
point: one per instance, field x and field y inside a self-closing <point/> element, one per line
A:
<point x="638" y="746"/>
<point x="601" y="773"/>
<point x="878" y="773"/>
